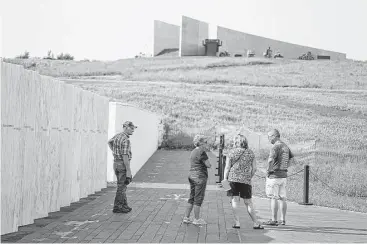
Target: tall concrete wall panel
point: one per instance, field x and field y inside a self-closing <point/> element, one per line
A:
<point x="166" y="36"/>
<point x="236" y="42"/>
<point x="144" y="141"/>
<point x="53" y="152"/>
<point x="193" y="32"/>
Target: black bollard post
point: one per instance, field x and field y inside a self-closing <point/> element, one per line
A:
<point x="306" y="182"/>
<point x="220" y="158"/>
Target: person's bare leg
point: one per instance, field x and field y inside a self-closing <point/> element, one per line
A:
<point x="197" y="212"/>
<point x="188" y="210"/>
<point x="283" y="208"/>
<point x="236" y="206"/>
<point x="274" y="209"/>
<point x="251" y="210"/>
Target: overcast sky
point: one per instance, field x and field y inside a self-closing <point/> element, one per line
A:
<point x="115" y="29"/>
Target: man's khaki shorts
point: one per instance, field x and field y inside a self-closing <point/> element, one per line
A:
<point x="275" y="188"/>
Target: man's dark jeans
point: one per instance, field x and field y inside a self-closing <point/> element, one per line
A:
<point x="120" y="199"/>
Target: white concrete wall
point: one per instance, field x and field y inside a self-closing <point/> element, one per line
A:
<point x="213" y="31"/>
<point x="144" y="141"/>
<point x="193" y="32"/>
<point x="53" y="145"/>
<point x="236" y="42"/>
<point x="166" y="36"/>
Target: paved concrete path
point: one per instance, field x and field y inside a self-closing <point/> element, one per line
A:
<point x="158" y="197"/>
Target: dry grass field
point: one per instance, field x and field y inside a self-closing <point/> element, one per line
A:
<point x="324" y="101"/>
<point x="212" y="70"/>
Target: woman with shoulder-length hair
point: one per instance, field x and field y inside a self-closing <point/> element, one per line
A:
<point x="239" y="170"/>
<point x="198" y="177"/>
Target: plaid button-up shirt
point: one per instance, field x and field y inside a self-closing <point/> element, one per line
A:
<point x="121" y="146"/>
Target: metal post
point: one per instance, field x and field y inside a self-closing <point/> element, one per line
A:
<point x="223" y="166"/>
<point x="223" y="158"/>
<point x="220" y="158"/>
<point x="221" y="143"/>
<point x="306" y="175"/>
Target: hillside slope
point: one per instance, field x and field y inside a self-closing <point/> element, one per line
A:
<point x="243" y="71"/>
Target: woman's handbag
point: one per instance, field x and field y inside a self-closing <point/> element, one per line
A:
<point x="225" y="185"/>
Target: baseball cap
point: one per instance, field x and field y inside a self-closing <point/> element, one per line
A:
<point x="129" y="124"/>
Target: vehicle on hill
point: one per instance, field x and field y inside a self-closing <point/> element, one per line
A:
<point x="278" y="55"/>
<point x="307" y="56"/>
<point x="224" y="54"/>
<point x="250" y="53"/>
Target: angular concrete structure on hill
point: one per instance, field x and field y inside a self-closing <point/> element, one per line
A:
<point x="189" y="39"/>
<point x="166" y="37"/>
<point x="236" y="42"/>
<point x="193" y="32"/>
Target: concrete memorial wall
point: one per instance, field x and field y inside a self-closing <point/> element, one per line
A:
<point x="53" y="145"/>
<point x="236" y="42"/>
<point x="166" y="36"/>
<point x="193" y="32"/>
<point x="144" y="141"/>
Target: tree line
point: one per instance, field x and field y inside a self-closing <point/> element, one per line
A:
<point x="50" y="56"/>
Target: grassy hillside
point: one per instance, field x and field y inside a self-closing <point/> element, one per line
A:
<point x="212" y="70"/>
<point x="294" y="96"/>
<point x="306" y="100"/>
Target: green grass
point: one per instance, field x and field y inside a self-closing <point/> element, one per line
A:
<point x="243" y="71"/>
<point x="305" y="100"/>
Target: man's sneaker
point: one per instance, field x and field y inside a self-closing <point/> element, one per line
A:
<point x="187" y="220"/>
<point x="271" y="222"/>
<point x="127" y="207"/>
<point x="122" y="210"/>
<point x="199" y="222"/>
<point x="281" y="222"/>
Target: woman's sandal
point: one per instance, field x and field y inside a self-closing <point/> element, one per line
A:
<point x="258" y="227"/>
<point x="236" y="226"/>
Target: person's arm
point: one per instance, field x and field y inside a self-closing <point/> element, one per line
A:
<point x="271" y="160"/>
<point x="124" y="149"/>
<point x="207" y="163"/>
<point x="227" y="168"/>
<point x="253" y="171"/>
<point x="110" y="143"/>
<point x="291" y="155"/>
<point x="205" y="159"/>
<point x="126" y="160"/>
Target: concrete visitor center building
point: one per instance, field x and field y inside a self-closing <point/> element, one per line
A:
<point x="189" y="40"/>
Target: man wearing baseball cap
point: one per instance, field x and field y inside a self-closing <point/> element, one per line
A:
<point x="121" y="150"/>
